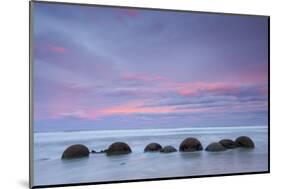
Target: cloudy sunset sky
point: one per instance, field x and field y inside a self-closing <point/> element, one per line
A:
<point x="119" y="68"/>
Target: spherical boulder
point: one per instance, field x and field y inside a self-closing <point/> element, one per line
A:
<point x="190" y="145"/>
<point x="75" y="151"/>
<point x="244" y="142"/>
<point x="227" y="143"/>
<point x="94" y="151"/>
<point x="168" y="149"/>
<point x="215" y="147"/>
<point x="153" y="147"/>
<point x="118" y="148"/>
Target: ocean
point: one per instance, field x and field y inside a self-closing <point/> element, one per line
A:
<point x="49" y="169"/>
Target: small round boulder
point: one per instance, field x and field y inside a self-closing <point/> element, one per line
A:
<point x="227" y="143"/>
<point x="75" y="151"/>
<point x="190" y="145"/>
<point x="168" y="149"/>
<point x="153" y="147"/>
<point x="244" y="142"/>
<point x="118" y="148"/>
<point x="103" y="151"/>
<point x="215" y="147"/>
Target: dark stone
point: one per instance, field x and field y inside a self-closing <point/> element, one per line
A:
<point x="227" y="143"/>
<point x="153" y="147"/>
<point x="118" y="148"/>
<point x="75" y="151"/>
<point x="190" y="145"/>
<point x="168" y="149"/>
<point x="215" y="147"/>
<point x="245" y="142"/>
<point x="100" y="152"/>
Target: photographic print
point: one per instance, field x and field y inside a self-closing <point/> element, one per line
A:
<point x="129" y="94"/>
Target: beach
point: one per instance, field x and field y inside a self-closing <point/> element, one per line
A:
<point x="49" y="169"/>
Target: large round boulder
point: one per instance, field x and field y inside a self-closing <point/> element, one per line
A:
<point x="153" y="147"/>
<point x="227" y="143"/>
<point x="245" y="142"/>
<point x="215" y="147"/>
<point x="75" y="151"/>
<point x="168" y="149"/>
<point x="190" y="145"/>
<point x="118" y="148"/>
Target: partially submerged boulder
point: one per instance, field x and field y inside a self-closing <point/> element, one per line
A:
<point x="75" y="151"/>
<point x="190" y="145"/>
<point x="153" y="147"/>
<point x="215" y="147"/>
<point x="244" y="142"/>
<point x="103" y="151"/>
<point x="100" y="152"/>
<point x="168" y="149"/>
<point x="227" y="143"/>
<point x="118" y="148"/>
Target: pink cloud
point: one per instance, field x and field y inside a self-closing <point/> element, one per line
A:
<point x="257" y="73"/>
<point x="160" y="84"/>
<point x="68" y="100"/>
<point x="65" y="99"/>
<point x="127" y="108"/>
<point x="199" y="87"/>
<point x="165" y="84"/>
<point x="137" y="107"/>
<point x="264" y="90"/>
<point x="130" y="12"/>
<point x="123" y="14"/>
<point x="55" y="48"/>
<point x="50" y="48"/>
<point x="134" y="107"/>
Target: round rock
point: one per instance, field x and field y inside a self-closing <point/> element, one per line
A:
<point x="153" y="147"/>
<point x="168" y="149"/>
<point x="190" y="145"/>
<point x="118" y="148"/>
<point x="75" y="151"/>
<point x="245" y="142"/>
<point x="215" y="147"/>
<point x="227" y="143"/>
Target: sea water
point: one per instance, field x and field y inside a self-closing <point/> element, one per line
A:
<point x="49" y="169"/>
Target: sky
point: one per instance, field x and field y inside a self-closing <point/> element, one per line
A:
<point x="119" y="68"/>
